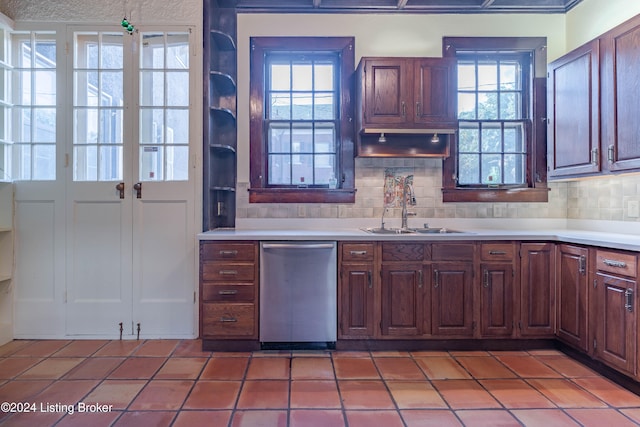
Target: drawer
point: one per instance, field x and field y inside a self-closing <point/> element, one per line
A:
<point x="228" y="272"/>
<point x="357" y="251"/>
<point x="497" y="251"/>
<point x="617" y="263"/>
<point x="216" y="251"/>
<point x="452" y="251"/>
<point x="403" y="251"/>
<point x="232" y="292"/>
<point x="228" y="320"/>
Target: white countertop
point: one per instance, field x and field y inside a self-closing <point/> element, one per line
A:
<point x="533" y="231"/>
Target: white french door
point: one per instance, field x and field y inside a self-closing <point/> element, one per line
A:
<point x="130" y="196"/>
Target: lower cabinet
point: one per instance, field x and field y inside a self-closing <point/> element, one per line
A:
<point x="356" y="290"/>
<point x="497" y="280"/>
<point x="228" y="291"/>
<point x="537" y="303"/>
<point x="452" y="298"/>
<point x="572" y="287"/>
<point x="614" y="304"/>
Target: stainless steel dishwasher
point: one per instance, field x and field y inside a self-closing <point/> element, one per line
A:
<point x="298" y="294"/>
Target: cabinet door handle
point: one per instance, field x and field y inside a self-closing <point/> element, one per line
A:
<point x="355" y="253"/>
<point x="436" y="278"/>
<point x="594" y="156"/>
<point x="486" y="278"/>
<point x="582" y="264"/>
<point x="228" y="319"/>
<point x="417" y="109"/>
<point x="370" y="279"/>
<point x="228" y="292"/>
<point x="611" y="153"/>
<point x="497" y="253"/>
<point x="614" y="263"/>
<point x="228" y="253"/>
<point x="228" y="272"/>
<point x="419" y="278"/>
<point x="404" y="109"/>
<point x="628" y="295"/>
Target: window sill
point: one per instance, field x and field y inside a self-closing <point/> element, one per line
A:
<point x="492" y="195"/>
<point x="301" y="195"/>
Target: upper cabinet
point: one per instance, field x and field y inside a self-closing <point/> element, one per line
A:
<point x="593" y="106"/>
<point x="406" y="106"/>
<point x="574" y="113"/>
<point x="620" y="62"/>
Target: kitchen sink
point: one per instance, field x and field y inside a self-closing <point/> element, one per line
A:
<point x="426" y="230"/>
<point x="389" y="230"/>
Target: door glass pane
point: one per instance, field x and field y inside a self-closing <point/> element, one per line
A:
<point x="98" y="106"/>
<point x="164" y="129"/>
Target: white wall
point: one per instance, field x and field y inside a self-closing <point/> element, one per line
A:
<point x="139" y="11"/>
<point x="591" y="18"/>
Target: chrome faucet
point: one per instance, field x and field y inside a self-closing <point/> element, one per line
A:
<point x="407" y="189"/>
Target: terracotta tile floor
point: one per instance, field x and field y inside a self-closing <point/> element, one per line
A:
<point x="173" y="383"/>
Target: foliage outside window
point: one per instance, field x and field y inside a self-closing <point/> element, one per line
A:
<point x="301" y="127"/>
<point x="499" y="152"/>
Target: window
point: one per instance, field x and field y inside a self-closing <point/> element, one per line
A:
<point x="499" y="152"/>
<point x="33" y="116"/>
<point x="301" y="120"/>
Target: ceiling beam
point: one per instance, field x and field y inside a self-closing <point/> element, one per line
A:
<point x="402" y="4"/>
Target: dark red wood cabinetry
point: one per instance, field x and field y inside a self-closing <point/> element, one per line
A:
<point x="537" y="300"/>
<point x="356" y="290"/>
<point x="497" y="289"/>
<point x="593" y="106"/>
<point x="572" y="287"/>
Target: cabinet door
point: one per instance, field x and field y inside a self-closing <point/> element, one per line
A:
<point x="574" y="114"/>
<point x="572" y="295"/>
<point x="387" y="91"/>
<point x="452" y="299"/>
<point x="620" y="94"/>
<point x="435" y="91"/>
<point x="356" y="300"/>
<point x="616" y="322"/>
<point x="496" y="299"/>
<point x="537" y="290"/>
<point x="402" y="300"/>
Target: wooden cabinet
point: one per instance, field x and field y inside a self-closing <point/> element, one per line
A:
<point x="356" y="290"/>
<point x="537" y="302"/>
<point x="228" y="291"/>
<point x="497" y="289"/>
<point x="402" y="289"/>
<point x="452" y="297"/>
<point x="614" y="305"/>
<point x="572" y="287"/>
<point x="573" y="137"/>
<point x="593" y="105"/>
<point x="219" y="160"/>
<point x="408" y="100"/>
<point x="620" y="62"/>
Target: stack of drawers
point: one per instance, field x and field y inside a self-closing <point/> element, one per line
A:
<point x="229" y="290"/>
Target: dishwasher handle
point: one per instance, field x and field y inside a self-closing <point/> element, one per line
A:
<point x="298" y="245"/>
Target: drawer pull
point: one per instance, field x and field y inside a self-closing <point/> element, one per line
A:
<point x="228" y="253"/>
<point x="228" y="292"/>
<point x="358" y="252"/>
<point x="497" y="253"/>
<point x="228" y="272"/>
<point x="228" y="319"/>
<point x="614" y="263"/>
